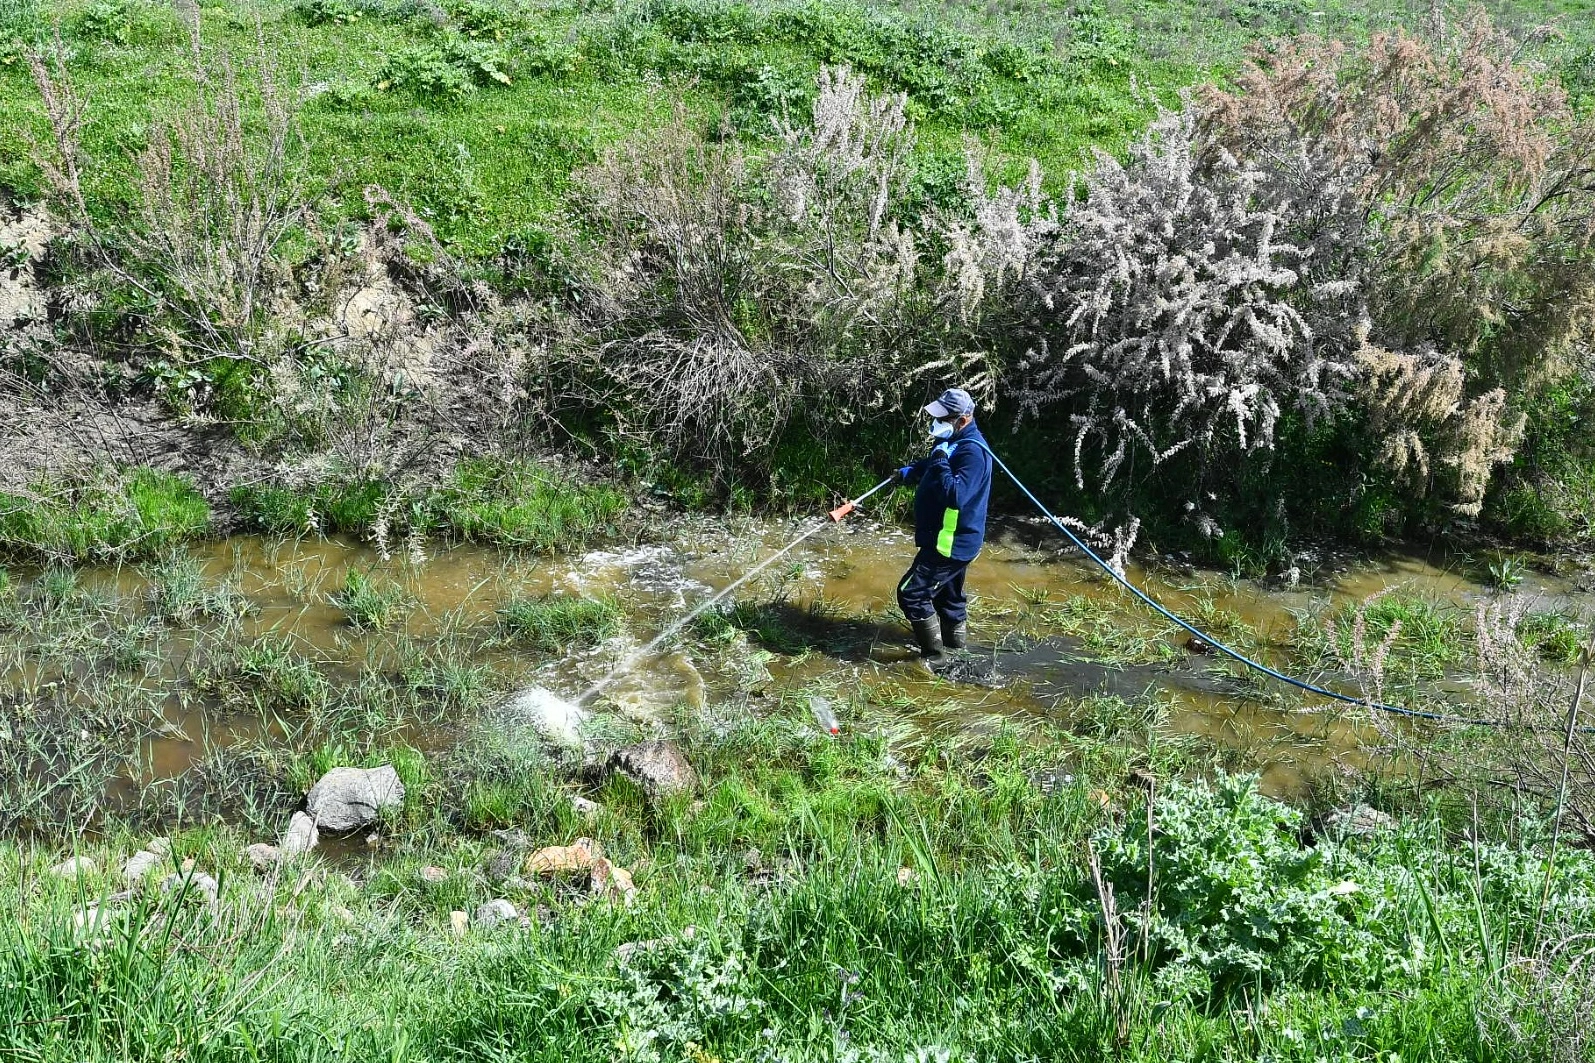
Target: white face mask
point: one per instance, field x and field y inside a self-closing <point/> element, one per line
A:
<point x="941" y="429"/>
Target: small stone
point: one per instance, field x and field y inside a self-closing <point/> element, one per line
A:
<point x="263" y="857"/>
<point x="432" y="875"/>
<point x="300" y="837"/>
<point x="610" y="881"/>
<point x="501" y="864"/>
<point x="74" y="868"/>
<point x="1359" y="821"/>
<point x="906" y="876"/>
<point x="159" y="846"/>
<point x="459" y="923"/>
<point x="91" y="920"/>
<point x="140" y="864"/>
<point x="584" y="806"/>
<point x="494" y="912"/>
<point x="563" y="859"/>
<point x="516" y="884"/>
<point x="345" y="800"/>
<point x="659" y="767"/>
<point x="191" y="883"/>
<point x="373" y="840"/>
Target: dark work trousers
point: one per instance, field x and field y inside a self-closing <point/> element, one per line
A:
<point x="933" y="586"/>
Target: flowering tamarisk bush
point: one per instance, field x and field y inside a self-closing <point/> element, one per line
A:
<point x="1173" y="312"/>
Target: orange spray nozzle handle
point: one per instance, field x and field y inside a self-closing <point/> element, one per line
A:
<point x="843" y="510"/>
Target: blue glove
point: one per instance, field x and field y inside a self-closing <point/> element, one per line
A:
<point x="905" y="472"/>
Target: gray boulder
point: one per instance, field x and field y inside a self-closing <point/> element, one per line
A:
<point x="300" y="837"/>
<point x="495" y="912"/>
<point x="659" y="767"/>
<point x="1359" y="821"/>
<point x="351" y="799"/>
<point x="192" y="884"/>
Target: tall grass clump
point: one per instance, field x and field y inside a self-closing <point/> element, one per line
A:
<point x="557" y="623"/>
<point x="370" y="604"/>
<point x="519" y="504"/>
<point x="111" y="514"/>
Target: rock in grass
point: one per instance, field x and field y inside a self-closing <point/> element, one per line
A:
<point x="76" y="867"/>
<point x="300" y="837"/>
<point x="659" y="767"/>
<point x="432" y="875"/>
<point x="142" y="863"/>
<point x="191" y="883"/>
<point x="1359" y="821"/>
<point x="502" y="864"/>
<point x="263" y="857"/>
<point x="573" y="859"/>
<point x="459" y="923"/>
<point x="583" y="806"/>
<point x="495" y="912"/>
<point x="351" y="799"/>
<point x="610" y="881"/>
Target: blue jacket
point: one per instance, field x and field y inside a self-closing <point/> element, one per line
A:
<point x="950" y="502"/>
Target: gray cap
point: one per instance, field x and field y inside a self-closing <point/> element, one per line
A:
<point x="954" y="402"/>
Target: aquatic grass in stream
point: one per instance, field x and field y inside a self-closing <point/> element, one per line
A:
<point x="1425" y="637"/>
<point x="371" y="604"/>
<point x="555" y="623"/>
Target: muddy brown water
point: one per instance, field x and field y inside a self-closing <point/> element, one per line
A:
<point x="837" y="631"/>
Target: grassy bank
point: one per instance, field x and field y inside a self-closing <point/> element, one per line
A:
<point x="1086" y="882"/>
<point x="821" y="899"/>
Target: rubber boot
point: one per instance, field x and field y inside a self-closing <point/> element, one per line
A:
<point x="954" y="634"/>
<point x="927" y="633"/>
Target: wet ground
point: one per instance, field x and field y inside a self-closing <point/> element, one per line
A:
<point x="1048" y="630"/>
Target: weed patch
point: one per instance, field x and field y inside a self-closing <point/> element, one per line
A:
<point x="557" y="624"/>
<point x="114" y="515"/>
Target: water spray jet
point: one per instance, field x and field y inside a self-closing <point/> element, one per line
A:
<point x="560" y="719"/>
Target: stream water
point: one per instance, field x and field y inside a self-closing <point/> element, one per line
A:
<point x="1046" y="630"/>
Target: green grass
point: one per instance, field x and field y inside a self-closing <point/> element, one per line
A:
<point x="518" y="504"/>
<point x="508" y="503"/>
<point x="369" y="604"/>
<point x="414" y="103"/>
<point x="116" y="514"/>
<point x="1430" y="637"/>
<point x="808" y="934"/>
<point x="556" y="623"/>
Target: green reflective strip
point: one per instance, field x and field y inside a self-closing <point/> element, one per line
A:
<point x="949" y="528"/>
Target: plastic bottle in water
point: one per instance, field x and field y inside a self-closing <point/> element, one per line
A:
<point x="825" y="716"/>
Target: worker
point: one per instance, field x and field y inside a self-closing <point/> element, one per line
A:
<point x="954" y="483"/>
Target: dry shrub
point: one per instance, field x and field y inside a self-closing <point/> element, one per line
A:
<point x="1470" y="170"/>
<point x="213" y="202"/>
<point x="733" y="295"/>
<point x="1173" y="312"/>
<point x="1416" y="409"/>
<point x="1540" y="747"/>
<point x="1547" y="1010"/>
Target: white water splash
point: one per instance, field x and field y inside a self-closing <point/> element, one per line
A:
<point x="555" y="718"/>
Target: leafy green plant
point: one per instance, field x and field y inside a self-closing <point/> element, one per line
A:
<point x="109" y="20"/>
<point x="1505" y="571"/>
<point x="1236" y="896"/>
<point x="327" y="12"/>
<point x="448" y="71"/>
